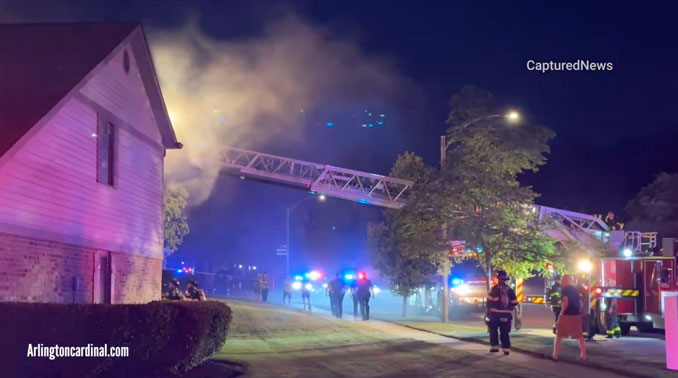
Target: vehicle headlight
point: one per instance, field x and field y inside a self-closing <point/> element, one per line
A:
<point x="309" y="286"/>
<point x="462" y="290"/>
<point x="376" y="290"/>
<point x="296" y="285"/>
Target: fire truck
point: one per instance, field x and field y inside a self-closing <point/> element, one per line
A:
<point x="639" y="284"/>
<point x="626" y="265"/>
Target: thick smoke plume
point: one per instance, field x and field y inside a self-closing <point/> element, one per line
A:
<point x="249" y="92"/>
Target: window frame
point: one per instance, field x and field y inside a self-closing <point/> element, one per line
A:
<point x="111" y="177"/>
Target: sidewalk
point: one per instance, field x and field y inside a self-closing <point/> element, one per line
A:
<point x="474" y="346"/>
<point x="640" y="357"/>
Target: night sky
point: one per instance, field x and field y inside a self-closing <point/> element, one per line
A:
<point x="615" y="129"/>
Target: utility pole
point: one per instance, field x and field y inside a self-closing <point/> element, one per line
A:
<point x="445" y="271"/>
<point x="287" y="246"/>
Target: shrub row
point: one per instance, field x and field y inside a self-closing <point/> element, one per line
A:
<point x="164" y="338"/>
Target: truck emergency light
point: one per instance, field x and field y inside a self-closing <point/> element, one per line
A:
<point x="627" y="252"/>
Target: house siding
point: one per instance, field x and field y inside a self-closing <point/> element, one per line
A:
<point x="48" y="187"/>
<point x="122" y="93"/>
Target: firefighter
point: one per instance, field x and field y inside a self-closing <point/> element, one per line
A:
<point x="194" y="293"/>
<point x="611" y="221"/>
<point x="611" y="323"/>
<point x="174" y="291"/>
<point x="306" y="293"/>
<point x="587" y="330"/>
<point x="263" y="286"/>
<point x="287" y="292"/>
<point x="554" y="296"/>
<point x="501" y="300"/>
<point x="335" y="289"/>
<point x="364" y="292"/>
<point x="354" y="296"/>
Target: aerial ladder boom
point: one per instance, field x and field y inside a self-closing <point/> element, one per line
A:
<point x="362" y="187"/>
<point x="391" y="192"/>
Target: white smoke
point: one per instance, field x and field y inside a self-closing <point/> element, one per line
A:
<point x="245" y="93"/>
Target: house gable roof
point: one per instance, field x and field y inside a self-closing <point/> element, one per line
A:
<point x="41" y="63"/>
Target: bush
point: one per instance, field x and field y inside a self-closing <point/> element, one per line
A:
<point x="164" y="338"/>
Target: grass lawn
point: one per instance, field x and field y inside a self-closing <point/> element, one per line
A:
<point x="276" y="342"/>
<point x="605" y="354"/>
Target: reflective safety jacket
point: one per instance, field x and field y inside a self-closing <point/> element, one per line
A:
<point x="554" y="295"/>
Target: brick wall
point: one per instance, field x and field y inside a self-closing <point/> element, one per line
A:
<point x="136" y="279"/>
<point x="36" y="270"/>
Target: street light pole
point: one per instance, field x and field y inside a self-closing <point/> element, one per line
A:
<point x="512" y="116"/>
<point x="287" y="246"/>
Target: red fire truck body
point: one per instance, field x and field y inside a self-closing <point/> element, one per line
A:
<point x="639" y="285"/>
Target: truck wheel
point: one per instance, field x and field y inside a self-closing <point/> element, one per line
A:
<point x="625" y="328"/>
<point x="644" y="327"/>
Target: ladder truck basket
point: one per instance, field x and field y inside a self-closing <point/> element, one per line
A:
<point x="640" y="242"/>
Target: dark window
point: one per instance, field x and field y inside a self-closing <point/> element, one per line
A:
<point x="105" y="153"/>
<point x="125" y="61"/>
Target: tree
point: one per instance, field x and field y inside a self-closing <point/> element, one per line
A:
<point x="175" y="221"/>
<point x="406" y="273"/>
<point x="407" y="245"/>
<point x="486" y="205"/>
<point x="655" y="207"/>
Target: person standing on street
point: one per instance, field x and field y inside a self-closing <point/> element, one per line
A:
<point x="554" y="296"/>
<point x="287" y="292"/>
<point x="364" y="292"/>
<point x="501" y="300"/>
<point x="354" y="296"/>
<point x="611" y="322"/>
<point x="263" y="286"/>
<point x="336" y="292"/>
<point x="570" y="320"/>
<point x="306" y="293"/>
